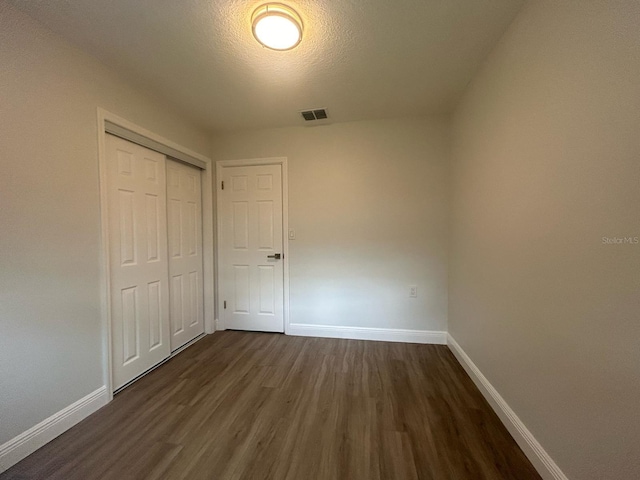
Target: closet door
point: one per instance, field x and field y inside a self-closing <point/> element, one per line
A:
<point x="185" y="252"/>
<point x="138" y="259"/>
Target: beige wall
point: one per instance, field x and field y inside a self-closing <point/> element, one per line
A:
<point x="368" y="202"/>
<point x="50" y="326"/>
<point x="547" y="163"/>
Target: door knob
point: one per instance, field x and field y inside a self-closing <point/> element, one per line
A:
<point x="276" y="256"/>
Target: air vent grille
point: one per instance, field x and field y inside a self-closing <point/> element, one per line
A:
<point x="320" y="114"/>
<point x="308" y="115"/>
<point x="315" y="114"/>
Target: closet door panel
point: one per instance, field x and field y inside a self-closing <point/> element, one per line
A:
<point x="185" y="247"/>
<point x="138" y="258"/>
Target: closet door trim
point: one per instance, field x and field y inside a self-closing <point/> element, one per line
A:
<point x="152" y="144"/>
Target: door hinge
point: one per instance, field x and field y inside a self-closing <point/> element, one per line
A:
<point x="222" y="185"/>
<point x="225" y="304"/>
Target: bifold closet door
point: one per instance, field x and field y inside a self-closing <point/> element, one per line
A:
<point x="185" y="253"/>
<point x="139" y="265"/>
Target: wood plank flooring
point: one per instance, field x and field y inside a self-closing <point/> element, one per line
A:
<point x="239" y="405"/>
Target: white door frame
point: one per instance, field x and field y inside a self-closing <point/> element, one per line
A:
<point x="220" y="164"/>
<point x="207" y="234"/>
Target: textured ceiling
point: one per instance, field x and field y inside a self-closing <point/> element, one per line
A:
<point x="359" y="59"/>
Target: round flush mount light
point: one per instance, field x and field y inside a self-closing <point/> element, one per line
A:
<point x="276" y="26"/>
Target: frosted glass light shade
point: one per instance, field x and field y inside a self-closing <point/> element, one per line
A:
<point x="277" y="26"/>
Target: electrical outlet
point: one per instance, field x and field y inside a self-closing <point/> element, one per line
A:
<point x="413" y="291"/>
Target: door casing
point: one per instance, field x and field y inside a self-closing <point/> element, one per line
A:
<point x="220" y="165"/>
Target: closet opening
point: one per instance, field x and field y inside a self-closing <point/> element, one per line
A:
<point x="158" y="250"/>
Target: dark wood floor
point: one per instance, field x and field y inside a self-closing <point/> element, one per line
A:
<point x="266" y="406"/>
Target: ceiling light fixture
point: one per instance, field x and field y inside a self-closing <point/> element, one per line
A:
<point x="277" y="26"/>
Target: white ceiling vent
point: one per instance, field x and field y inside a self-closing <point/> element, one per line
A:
<point x="315" y="116"/>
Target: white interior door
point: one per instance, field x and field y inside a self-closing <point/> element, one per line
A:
<point x="252" y="282"/>
<point x="185" y="252"/>
<point x="138" y="258"/>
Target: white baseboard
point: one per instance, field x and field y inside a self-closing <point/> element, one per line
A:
<point x="28" y="442"/>
<point x="365" y="333"/>
<point x="540" y="459"/>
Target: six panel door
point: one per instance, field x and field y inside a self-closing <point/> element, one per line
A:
<point x="252" y="282"/>
<point x="185" y="252"/>
<point x="138" y="259"/>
